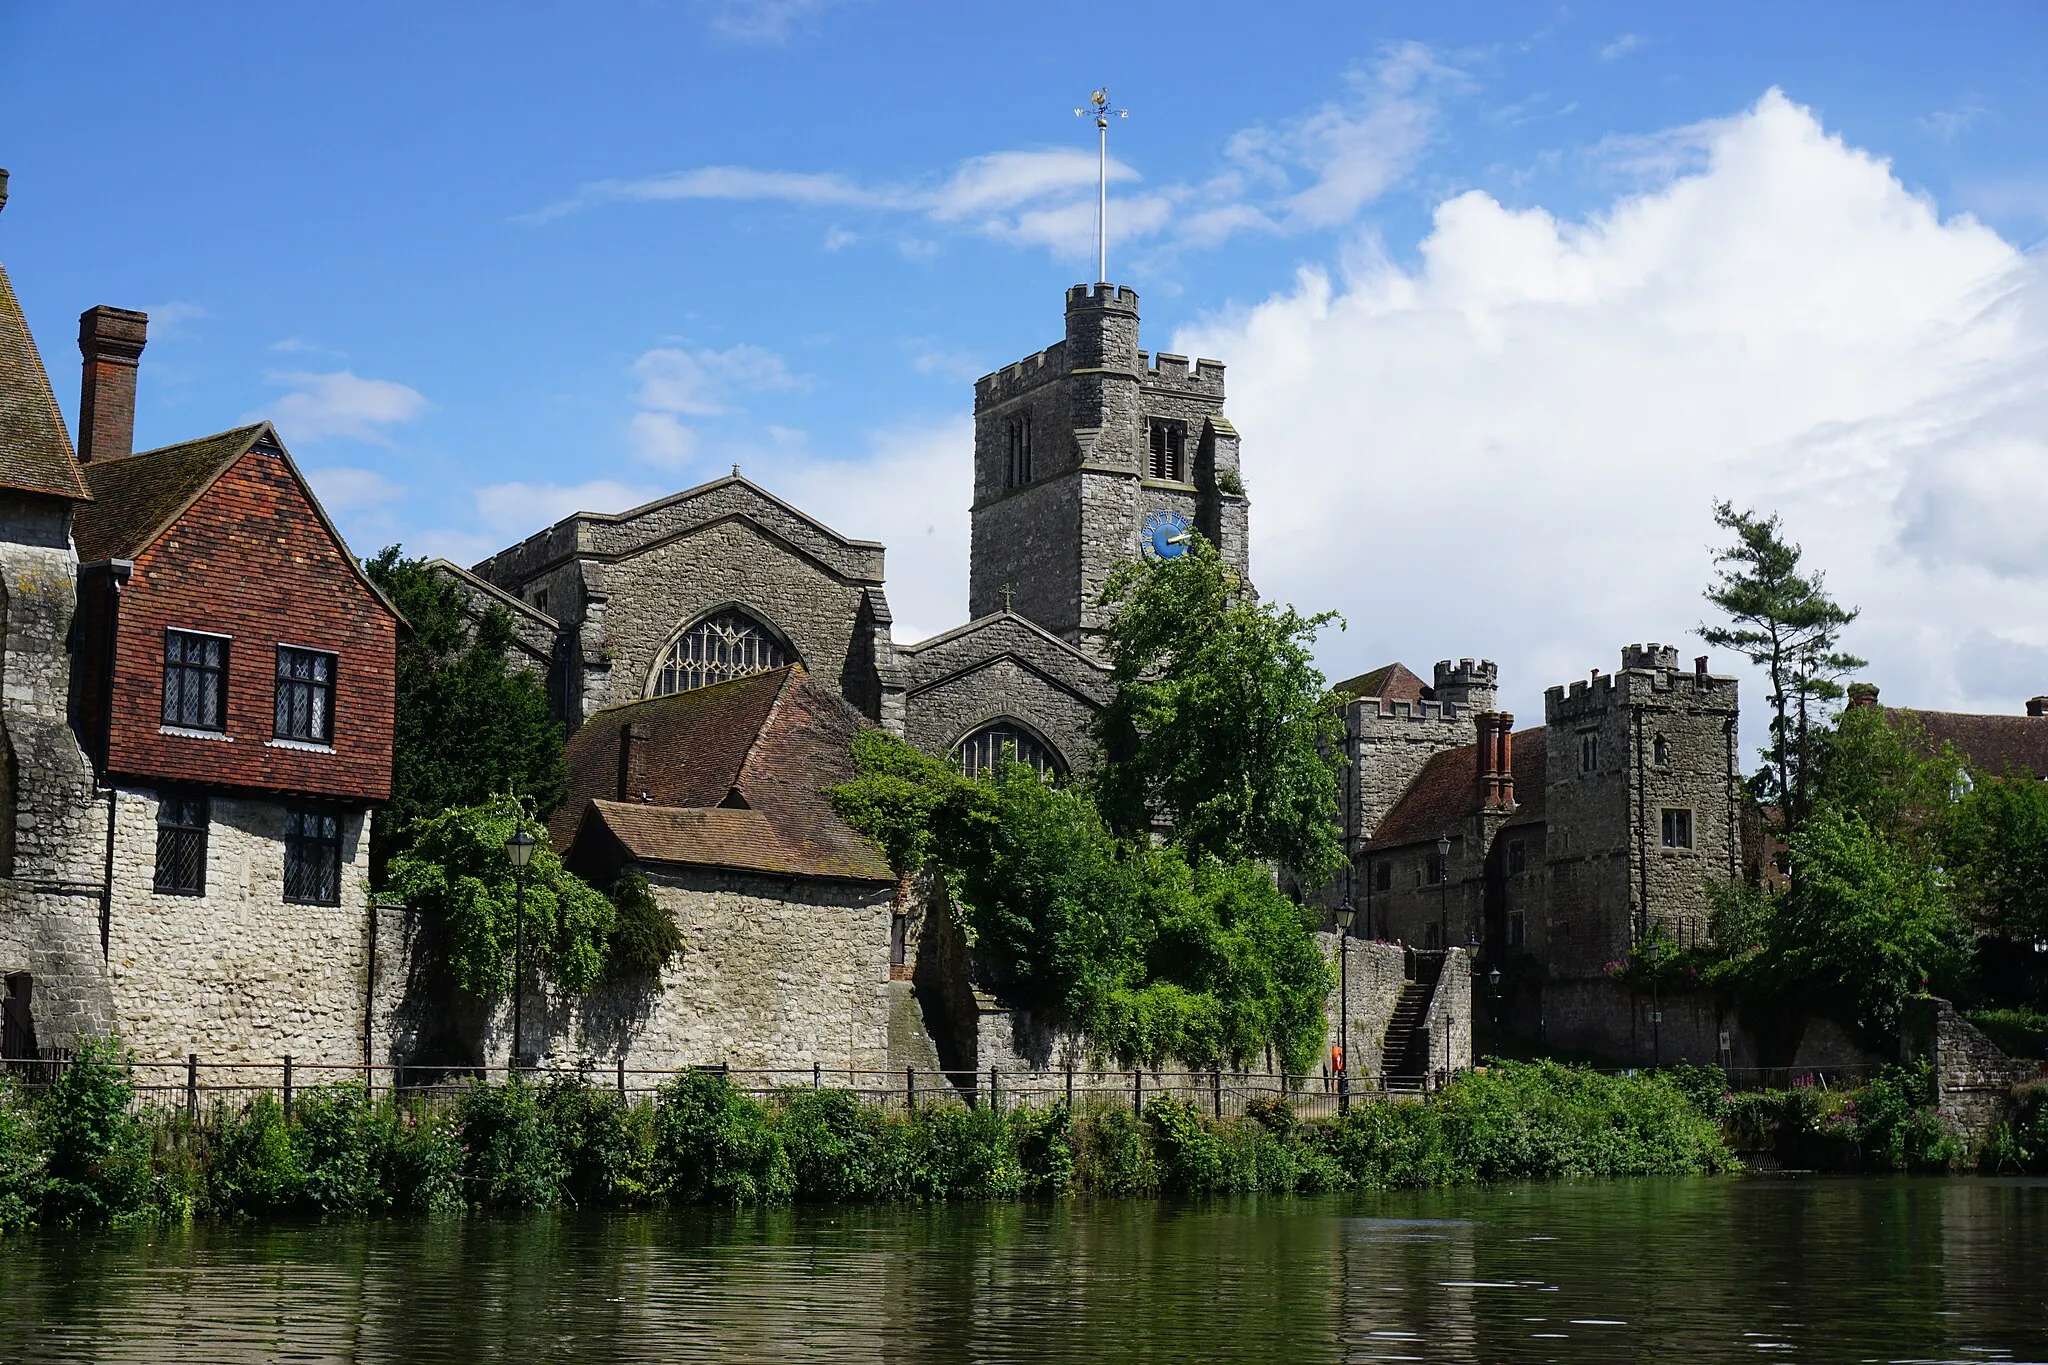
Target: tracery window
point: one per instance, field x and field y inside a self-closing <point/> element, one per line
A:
<point x="981" y="751"/>
<point x="730" y="644"/>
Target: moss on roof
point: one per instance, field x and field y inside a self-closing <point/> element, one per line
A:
<point x="35" y="449"/>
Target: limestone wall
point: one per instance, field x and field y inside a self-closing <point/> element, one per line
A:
<point x="238" y="974"/>
<point x="1375" y="980"/>
<point x="1447" y="1023"/>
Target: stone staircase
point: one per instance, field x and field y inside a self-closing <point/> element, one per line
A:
<point x="1404" y="1060"/>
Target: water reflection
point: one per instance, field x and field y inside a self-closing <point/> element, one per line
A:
<point x="1665" y="1270"/>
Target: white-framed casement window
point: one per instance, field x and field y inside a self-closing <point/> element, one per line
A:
<point x="1677" y="828"/>
<point x="1589" y="751"/>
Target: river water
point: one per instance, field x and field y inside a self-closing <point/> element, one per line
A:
<point x="1721" y="1269"/>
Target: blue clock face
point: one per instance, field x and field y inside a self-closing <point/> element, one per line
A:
<point x="1166" y="535"/>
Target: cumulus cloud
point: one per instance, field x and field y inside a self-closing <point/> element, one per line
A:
<point x="1510" y="447"/>
<point x="701" y="382"/>
<point x="341" y="403"/>
<point x="1621" y="47"/>
<point x="760" y="21"/>
<point x="512" y="510"/>
<point x="344" y="491"/>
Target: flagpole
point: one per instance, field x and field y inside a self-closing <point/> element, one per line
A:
<point x="1099" y="105"/>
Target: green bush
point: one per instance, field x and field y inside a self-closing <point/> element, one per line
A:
<point x="97" y="1151"/>
<point x="511" y="1159"/>
<point x="253" y="1168"/>
<point x="645" y="936"/>
<point x="1110" y="1153"/>
<point x="2016" y="1032"/>
<point x="419" y="1157"/>
<point x="713" y="1145"/>
<point x="337" y="1138"/>
<point x="840" y="1150"/>
<point x="958" y="1153"/>
<point x="1188" y="1151"/>
<point x="21" y="1161"/>
<point x="1045" y="1148"/>
<point x="602" y="1151"/>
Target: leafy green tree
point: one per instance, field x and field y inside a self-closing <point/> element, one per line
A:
<point x="645" y="936"/>
<point x="1890" y="773"/>
<point x="470" y="727"/>
<point x="1783" y="621"/>
<point x="904" y="799"/>
<point x="456" y="874"/>
<point x="97" y="1149"/>
<point x="1997" y="848"/>
<point x="1221" y="725"/>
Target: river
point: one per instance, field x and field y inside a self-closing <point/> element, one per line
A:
<point x="1720" y="1269"/>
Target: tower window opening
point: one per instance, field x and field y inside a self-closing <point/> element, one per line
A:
<point x="982" y="752"/>
<point x="1017" y="468"/>
<point x="1169" y="450"/>
<point x="728" y="645"/>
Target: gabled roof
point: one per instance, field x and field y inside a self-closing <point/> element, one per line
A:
<point x="1446" y="793"/>
<point x="35" y="449"/>
<point x="1388" y="682"/>
<point x="1995" y="745"/>
<point x="139" y="497"/>
<point x="732" y="775"/>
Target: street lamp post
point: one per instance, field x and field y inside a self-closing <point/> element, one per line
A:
<point x="1443" y="891"/>
<point x="1493" y="996"/>
<point x="1345" y="914"/>
<point x="519" y="850"/>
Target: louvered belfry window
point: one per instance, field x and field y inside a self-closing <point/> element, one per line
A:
<point x="731" y="644"/>
<point x="195" y="680"/>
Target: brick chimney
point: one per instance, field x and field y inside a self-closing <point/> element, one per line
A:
<point x="1486" y="775"/>
<point x="633" y="761"/>
<point x="111" y="340"/>
<point x="1504" y="762"/>
<point x="2037" y="706"/>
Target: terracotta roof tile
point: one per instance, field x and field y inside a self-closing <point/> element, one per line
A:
<point x="136" y="496"/>
<point x="1446" y="792"/>
<point x="1388" y="682"/>
<point x="35" y="449"/>
<point x="775" y="738"/>
<point x="1994" y="744"/>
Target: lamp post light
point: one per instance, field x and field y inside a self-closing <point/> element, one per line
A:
<point x="519" y="850"/>
<point x="1443" y="891"/>
<point x="1346" y="913"/>
<point x="1493" y="996"/>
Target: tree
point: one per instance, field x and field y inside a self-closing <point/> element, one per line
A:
<point x="1221" y="726"/>
<point x="455" y="873"/>
<point x="469" y="726"/>
<point x="1997" y="847"/>
<point x="1784" y="622"/>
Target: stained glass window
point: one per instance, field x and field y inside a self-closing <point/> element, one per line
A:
<point x="731" y="644"/>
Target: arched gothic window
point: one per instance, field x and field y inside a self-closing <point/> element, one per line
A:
<point x="982" y="750"/>
<point x="730" y="644"/>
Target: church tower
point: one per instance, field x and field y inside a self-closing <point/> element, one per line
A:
<point x="1091" y="453"/>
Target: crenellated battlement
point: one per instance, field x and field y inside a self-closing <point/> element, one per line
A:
<point x="1166" y="370"/>
<point x="1021" y="376"/>
<point x="1117" y="297"/>
<point x="1650" y="674"/>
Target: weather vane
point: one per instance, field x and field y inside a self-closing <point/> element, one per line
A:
<point x="1099" y="105"/>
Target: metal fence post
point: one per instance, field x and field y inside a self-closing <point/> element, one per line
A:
<point x="817" y="1074"/>
<point x="910" y="1087"/>
<point x="192" y="1086"/>
<point x="1070" y="1085"/>
<point x="287" y="1086"/>
<point x="1216" y="1089"/>
<point x="622" y="1078"/>
<point x="995" y="1098"/>
<point x="1137" y="1091"/>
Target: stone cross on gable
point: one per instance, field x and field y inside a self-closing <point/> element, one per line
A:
<point x="1009" y="596"/>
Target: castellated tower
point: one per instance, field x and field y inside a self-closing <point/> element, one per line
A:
<point x="1090" y="453"/>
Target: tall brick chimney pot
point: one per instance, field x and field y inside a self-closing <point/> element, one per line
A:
<point x="633" y="738"/>
<point x="111" y="341"/>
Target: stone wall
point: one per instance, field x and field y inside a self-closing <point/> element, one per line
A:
<point x="1447" y="1023"/>
<point x="1376" y="979"/>
<point x="1610" y="1019"/>
<point x="237" y="974"/>
<point x="1973" y="1079"/>
<point x="775" y="974"/>
<point x="1002" y="666"/>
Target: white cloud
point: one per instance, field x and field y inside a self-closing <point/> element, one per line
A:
<point x="759" y="21"/>
<point x="172" y="321"/>
<point x="1510" y="448"/>
<point x="657" y="438"/>
<point x="701" y="382"/>
<point x="508" y="511"/>
<point x="344" y="491"/>
<point x="1622" y="46"/>
<point x="1950" y="124"/>
<point x="341" y="403"/>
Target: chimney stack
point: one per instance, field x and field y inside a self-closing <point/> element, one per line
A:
<point x="1489" y="748"/>
<point x="111" y="340"/>
<point x="1699" y="666"/>
<point x="1862" y="694"/>
<point x="2037" y="706"/>
<point x="633" y="761"/>
<point x="1504" y="762"/>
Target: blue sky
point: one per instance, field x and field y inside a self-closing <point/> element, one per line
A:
<point x="1578" y="268"/>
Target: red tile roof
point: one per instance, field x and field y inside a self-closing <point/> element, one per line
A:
<point x="1446" y="793"/>
<point x="35" y="449"/>
<point x="1388" y="682"/>
<point x="1995" y="745"/>
<point x="774" y="741"/>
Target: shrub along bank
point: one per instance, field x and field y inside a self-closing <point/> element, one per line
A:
<point x="78" y="1153"/>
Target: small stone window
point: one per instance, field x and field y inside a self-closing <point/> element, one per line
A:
<point x="1383" y="877"/>
<point x="195" y="680"/>
<point x="1168" y="450"/>
<point x="1518" y="857"/>
<point x="312" y="857"/>
<point x="1017" y="469"/>
<point x="181" y="824"/>
<point x="1660" y="751"/>
<point x="984" y="750"/>
<point x="305" y="695"/>
<point x="1518" y="930"/>
<point x="1678" y="829"/>
<point x="728" y="645"/>
<point x="1589" y="752"/>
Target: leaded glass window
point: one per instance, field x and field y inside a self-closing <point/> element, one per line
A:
<point x="981" y="751"/>
<point x="305" y="695"/>
<point x="312" y="857"/>
<point x="181" y="822"/>
<point x="731" y="644"/>
<point x="195" y="680"/>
